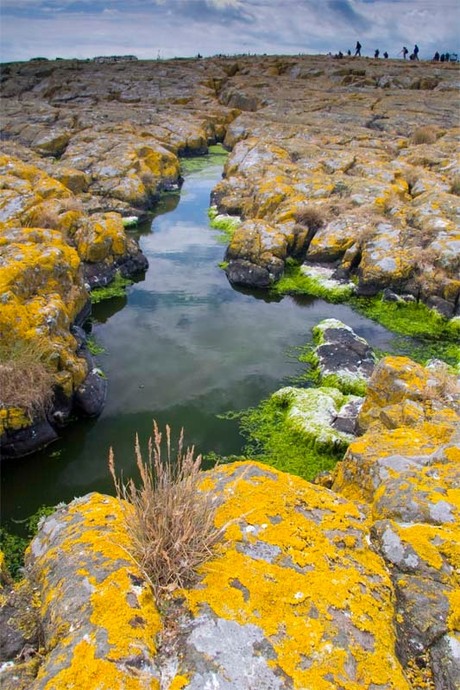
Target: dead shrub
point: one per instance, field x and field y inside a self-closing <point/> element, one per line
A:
<point x="26" y="380"/>
<point x="169" y="520"/>
<point x="310" y="217"/>
<point x="424" y="135"/>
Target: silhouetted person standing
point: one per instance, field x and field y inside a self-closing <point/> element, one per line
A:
<point x="377" y="53"/>
<point x="358" y="49"/>
<point x="405" y="52"/>
<point x="385" y="55"/>
<point x="416" y="52"/>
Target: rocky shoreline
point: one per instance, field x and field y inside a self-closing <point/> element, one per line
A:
<point x="354" y="585"/>
<point x="343" y="167"/>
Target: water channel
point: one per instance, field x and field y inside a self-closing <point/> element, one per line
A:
<point x="182" y="347"/>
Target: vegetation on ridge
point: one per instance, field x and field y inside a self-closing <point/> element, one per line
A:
<point x="169" y="520"/>
<point x="26" y="379"/>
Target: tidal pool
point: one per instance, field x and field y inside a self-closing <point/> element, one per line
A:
<point x="181" y="348"/>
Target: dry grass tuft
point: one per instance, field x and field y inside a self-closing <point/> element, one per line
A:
<point x="26" y="380"/>
<point x="310" y="217"/>
<point x="424" y="135"/>
<point x="171" y="524"/>
<point x="40" y="217"/>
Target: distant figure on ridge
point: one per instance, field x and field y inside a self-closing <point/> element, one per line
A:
<point x="404" y="52"/>
<point x="385" y="55"/>
<point x="436" y="57"/>
<point x="416" y="51"/>
<point x="377" y="53"/>
<point x="349" y="52"/>
<point x="358" y="49"/>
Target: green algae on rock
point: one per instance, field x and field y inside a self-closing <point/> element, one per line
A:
<point x="313" y="280"/>
<point x="292" y="430"/>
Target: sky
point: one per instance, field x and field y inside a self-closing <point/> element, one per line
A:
<point x="152" y="29"/>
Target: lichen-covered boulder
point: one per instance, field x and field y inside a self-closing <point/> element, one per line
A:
<point x="122" y="164"/>
<point x="291" y="598"/>
<point x="403" y="393"/>
<point x="98" y="615"/>
<point x="406" y="468"/>
<point x="256" y="254"/>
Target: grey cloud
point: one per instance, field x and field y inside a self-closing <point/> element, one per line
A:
<point x="186" y="27"/>
<point x="345" y="10"/>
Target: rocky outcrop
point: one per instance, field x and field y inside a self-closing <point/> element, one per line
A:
<point x="339" y="167"/>
<point x="406" y="468"/>
<point x="383" y="221"/>
<point x="354" y="586"/>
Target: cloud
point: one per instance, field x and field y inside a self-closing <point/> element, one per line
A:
<point x="84" y="28"/>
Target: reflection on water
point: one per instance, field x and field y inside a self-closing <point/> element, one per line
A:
<point x="182" y="347"/>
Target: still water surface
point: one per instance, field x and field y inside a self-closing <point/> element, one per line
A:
<point x="182" y="347"/>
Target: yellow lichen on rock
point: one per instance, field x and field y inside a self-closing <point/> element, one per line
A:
<point x="100" y="237"/>
<point x="287" y="571"/>
<point x="98" y="612"/>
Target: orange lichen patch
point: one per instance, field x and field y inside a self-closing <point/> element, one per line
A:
<point x="298" y="583"/>
<point x="87" y="672"/>
<point x="452" y="453"/>
<point x="179" y="682"/>
<point x="432" y="544"/>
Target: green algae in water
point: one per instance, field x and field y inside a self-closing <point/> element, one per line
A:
<point x="271" y="440"/>
<point x="117" y="288"/>
<point x="224" y="223"/>
<point x="440" y="337"/>
<point x="216" y="155"/>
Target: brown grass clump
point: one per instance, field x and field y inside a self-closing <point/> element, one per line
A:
<point x="310" y="217"/>
<point x="42" y="218"/>
<point x="424" y="135"/>
<point x="171" y="524"/>
<point x="26" y="380"/>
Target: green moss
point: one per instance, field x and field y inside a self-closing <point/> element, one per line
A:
<point x="294" y="282"/>
<point x="14" y="545"/>
<point x="270" y="440"/>
<point x="117" y="288"/>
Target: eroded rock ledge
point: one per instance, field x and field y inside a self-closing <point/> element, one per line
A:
<point x="341" y="164"/>
<point x="353" y="587"/>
